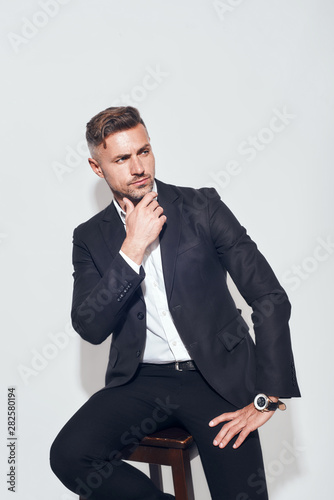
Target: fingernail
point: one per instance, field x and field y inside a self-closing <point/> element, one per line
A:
<point x="234" y="446"/>
<point x="211" y="423"/>
<point x="215" y="442"/>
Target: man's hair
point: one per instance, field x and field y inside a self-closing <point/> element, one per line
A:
<point x="110" y="121"/>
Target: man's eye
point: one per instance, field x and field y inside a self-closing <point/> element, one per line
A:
<point x="120" y="160"/>
<point x="145" y="152"/>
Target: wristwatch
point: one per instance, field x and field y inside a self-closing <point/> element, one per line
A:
<point x="262" y="402"/>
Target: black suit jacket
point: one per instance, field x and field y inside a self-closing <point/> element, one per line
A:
<point x="200" y="242"/>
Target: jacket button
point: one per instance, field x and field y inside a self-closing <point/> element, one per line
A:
<point x="138" y="353"/>
<point x="140" y="315"/>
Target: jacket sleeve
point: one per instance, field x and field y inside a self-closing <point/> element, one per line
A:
<point x="257" y="283"/>
<point x="100" y="302"/>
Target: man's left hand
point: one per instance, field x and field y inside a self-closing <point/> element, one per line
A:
<point x="240" y="422"/>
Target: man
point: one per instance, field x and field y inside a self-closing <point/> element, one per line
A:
<point x="150" y="269"/>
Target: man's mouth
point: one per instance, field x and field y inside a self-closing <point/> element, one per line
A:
<point x="140" y="182"/>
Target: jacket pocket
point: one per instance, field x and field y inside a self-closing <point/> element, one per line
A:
<point x="233" y="333"/>
<point x="188" y="245"/>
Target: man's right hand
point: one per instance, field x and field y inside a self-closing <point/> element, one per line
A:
<point x="143" y="225"/>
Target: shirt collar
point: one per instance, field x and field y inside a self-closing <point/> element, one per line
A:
<point x="121" y="212"/>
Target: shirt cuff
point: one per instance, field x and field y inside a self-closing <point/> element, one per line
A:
<point x="129" y="261"/>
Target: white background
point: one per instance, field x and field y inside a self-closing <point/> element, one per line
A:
<point x="208" y="79"/>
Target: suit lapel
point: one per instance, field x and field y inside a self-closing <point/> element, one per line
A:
<point x="171" y="202"/>
<point x="112" y="229"/>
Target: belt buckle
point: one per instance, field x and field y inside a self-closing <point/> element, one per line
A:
<point x="177" y="366"/>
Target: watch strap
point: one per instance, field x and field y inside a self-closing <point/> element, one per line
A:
<point x="272" y="406"/>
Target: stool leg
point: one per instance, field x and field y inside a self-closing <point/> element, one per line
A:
<point x="156" y="475"/>
<point x="183" y="484"/>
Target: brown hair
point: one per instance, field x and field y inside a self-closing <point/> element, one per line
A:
<point x="109" y="121"/>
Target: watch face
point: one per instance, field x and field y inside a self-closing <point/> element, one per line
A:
<point x="261" y="402"/>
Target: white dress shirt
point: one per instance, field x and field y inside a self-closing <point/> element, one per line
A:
<point x="163" y="343"/>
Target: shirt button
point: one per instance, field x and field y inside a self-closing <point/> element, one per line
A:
<point x="155" y="284"/>
<point x="174" y="342"/>
<point x="163" y="313"/>
<point x="140" y="315"/>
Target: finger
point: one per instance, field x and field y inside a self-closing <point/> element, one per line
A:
<point x="243" y="428"/>
<point x="148" y="198"/>
<point x="162" y="220"/>
<point x="241" y="438"/>
<point x="158" y="211"/>
<point x="225" y="435"/>
<point x="128" y="205"/>
<point x="224" y="417"/>
<point x="153" y="205"/>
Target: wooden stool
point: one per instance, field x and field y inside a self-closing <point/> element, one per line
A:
<point x="173" y="446"/>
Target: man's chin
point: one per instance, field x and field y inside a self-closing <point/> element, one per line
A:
<point x="134" y="194"/>
<point x="137" y="194"/>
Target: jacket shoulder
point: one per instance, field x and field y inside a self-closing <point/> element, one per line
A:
<point x="89" y="225"/>
<point x="190" y="193"/>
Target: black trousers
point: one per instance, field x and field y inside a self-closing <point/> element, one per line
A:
<point x="85" y="454"/>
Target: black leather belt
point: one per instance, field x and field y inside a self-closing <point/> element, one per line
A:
<point x="178" y="365"/>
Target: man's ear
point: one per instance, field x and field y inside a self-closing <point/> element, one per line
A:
<point x="96" y="167"/>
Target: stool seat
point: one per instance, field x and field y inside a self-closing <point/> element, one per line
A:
<point x="172" y="437"/>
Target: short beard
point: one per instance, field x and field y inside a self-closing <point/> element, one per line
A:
<point x="134" y="194"/>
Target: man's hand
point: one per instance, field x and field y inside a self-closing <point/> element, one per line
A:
<point x="143" y="225"/>
<point x="240" y="422"/>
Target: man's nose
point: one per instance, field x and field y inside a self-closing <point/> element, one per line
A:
<point x="136" y="167"/>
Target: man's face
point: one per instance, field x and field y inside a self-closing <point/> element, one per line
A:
<point x="127" y="164"/>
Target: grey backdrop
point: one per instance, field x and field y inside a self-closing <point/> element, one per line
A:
<point x="237" y="95"/>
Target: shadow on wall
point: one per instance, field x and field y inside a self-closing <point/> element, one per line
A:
<point x="94" y="358"/>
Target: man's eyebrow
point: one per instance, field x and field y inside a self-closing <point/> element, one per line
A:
<point x="146" y="146"/>
<point x="127" y="155"/>
<point x="122" y="155"/>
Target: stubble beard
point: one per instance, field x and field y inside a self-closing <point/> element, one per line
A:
<point x="134" y="194"/>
